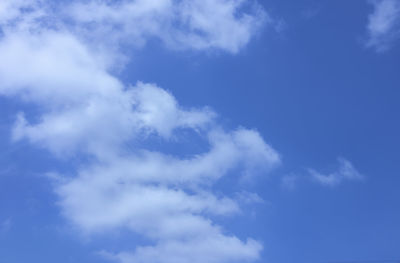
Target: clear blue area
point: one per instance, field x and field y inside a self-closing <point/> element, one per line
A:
<point x="313" y="91"/>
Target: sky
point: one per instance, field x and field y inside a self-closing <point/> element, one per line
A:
<point x="202" y="131"/>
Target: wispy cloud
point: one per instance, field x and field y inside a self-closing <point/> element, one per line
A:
<point x="384" y="25"/>
<point x="65" y="65"/>
<point x="345" y="171"/>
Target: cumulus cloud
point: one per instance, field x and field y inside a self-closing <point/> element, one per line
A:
<point x="198" y="24"/>
<point x="57" y="59"/>
<point x="168" y="199"/>
<point x="345" y="171"/>
<point x="144" y="185"/>
<point x="384" y="24"/>
<point x="99" y="123"/>
<point x="213" y="249"/>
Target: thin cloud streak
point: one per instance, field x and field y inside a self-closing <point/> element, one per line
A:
<point x="345" y="172"/>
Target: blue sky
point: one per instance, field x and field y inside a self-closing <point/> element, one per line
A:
<point x="199" y="131"/>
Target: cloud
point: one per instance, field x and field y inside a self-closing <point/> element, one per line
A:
<point x="194" y="24"/>
<point x="213" y="249"/>
<point x="346" y="171"/>
<point x="125" y="184"/>
<point x="168" y="199"/>
<point x="384" y="25"/>
<point x="11" y="10"/>
<point x="57" y="59"/>
<point x="99" y="123"/>
<point x="58" y="69"/>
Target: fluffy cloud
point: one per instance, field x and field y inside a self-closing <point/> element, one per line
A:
<point x="57" y="69"/>
<point x="384" y="24"/>
<point x="137" y="186"/>
<point x="98" y="123"/>
<point x="168" y="199"/>
<point x="63" y="65"/>
<point x="198" y="24"/>
<point x="346" y="171"/>
<point x="213" y="249"/>
<point x="11" y="10"/>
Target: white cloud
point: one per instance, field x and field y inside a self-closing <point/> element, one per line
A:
<point x="9" y="10"/>
<point x="168" y="199"/>
<point x="12" y="9"/>
<point x="158" y="109"/>
<point x="130" y="182"/>
<point x="57" y="69"/>
<point x="198" y="24"/>
<point x="84" y="110"/>
<point x="98" y="123"/>
<point x="213" y="249"/>
<point x="384" y="24"/>
<point x="22" y="15"/>
<point x="85" y="106"/>
<point x="346" y="171"/>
